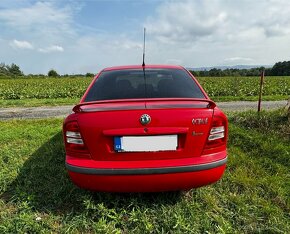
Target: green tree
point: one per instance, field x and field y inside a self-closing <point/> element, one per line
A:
<point x="14" y="70"/>
<point x="89" y="75"/>
<point x="3" y="70"/>
<point x="281" y="69"/>
<point x="215" y="72"/>
<point x="52" y="73"/>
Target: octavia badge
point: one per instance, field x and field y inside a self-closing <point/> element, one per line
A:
<point x="145" y="119"/>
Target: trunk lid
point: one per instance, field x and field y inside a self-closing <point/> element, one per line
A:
<point x="101" y="122"/>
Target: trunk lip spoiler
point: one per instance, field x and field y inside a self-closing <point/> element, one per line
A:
<point x="78" y="108"/>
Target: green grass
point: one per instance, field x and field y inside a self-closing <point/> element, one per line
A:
<point x="67" y="91"/>
<point x="249" y="98"/>
<point x="36" y="195"/>
<point x="33" y="102"/>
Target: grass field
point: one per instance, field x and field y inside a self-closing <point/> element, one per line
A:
<point x="62" y="91"/>
<point x="36" y="195"/>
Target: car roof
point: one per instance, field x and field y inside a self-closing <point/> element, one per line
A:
<point x="140" y="67"/>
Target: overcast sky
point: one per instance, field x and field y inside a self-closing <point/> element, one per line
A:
<point x="79" y="36"/>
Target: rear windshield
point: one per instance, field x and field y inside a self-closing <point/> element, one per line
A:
<point x="153" y="83"/>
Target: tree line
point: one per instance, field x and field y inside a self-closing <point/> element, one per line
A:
<point x="10" y="70"/>
<point x="53" y="73"/>
<point x="13" y="71"/>
<point x="279" y="69"/>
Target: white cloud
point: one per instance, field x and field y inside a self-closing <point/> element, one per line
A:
<point x="239" y="60"/>
<point x="189" y="22"/>
<point x="186" y="21"/>
<point x="50" y="49"/>
<point x="173" y="61"/>
<point x="43" y="21"/>
<point x="15" y="44"/>
<point x="41" y="13"/>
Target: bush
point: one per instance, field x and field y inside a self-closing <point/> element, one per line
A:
<point x="89" y="75"/>
<point x="52" y="73"/>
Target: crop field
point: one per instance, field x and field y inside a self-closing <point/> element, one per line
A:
<point x="245" y="86"/>
<point x="42" y="88"/>
<point x="39" y="91"/>
<point x="36" y="195"/>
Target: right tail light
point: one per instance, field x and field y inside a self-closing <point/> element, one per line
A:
<point x="218" y="133"/>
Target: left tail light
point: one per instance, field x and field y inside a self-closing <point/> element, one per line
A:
<point x="74" y="142"/>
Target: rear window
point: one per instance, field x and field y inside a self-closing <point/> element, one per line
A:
<point x="155" y="83"/>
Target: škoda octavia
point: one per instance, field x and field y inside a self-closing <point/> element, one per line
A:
<point x="145" y="129"/>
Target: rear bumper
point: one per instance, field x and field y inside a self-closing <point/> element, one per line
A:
<point x="146" y="179"/>
<point x="145" y="171"/>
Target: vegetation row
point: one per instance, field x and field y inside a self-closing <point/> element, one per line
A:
<point x="12" y="89"/>
<point x="279" y="69"/>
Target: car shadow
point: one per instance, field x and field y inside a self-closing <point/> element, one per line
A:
<point x="44" y="185"/>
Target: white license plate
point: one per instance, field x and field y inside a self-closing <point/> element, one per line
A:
<point x="145" y="143"/>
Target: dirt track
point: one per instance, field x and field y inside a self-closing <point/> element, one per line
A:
<point x="62" y="111"/>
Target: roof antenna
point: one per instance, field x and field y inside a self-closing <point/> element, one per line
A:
<point x="143" y="64"/>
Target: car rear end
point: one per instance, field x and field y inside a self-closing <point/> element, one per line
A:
<point x="145" y="129"/>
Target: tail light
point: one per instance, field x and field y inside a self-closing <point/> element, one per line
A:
<point x="218" y="133"/>
<point x="73" y="140"/>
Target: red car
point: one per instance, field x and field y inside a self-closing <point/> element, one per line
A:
<point x="145" y="129"/>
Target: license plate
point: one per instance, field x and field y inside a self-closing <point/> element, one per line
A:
<point x="145" y="143"/>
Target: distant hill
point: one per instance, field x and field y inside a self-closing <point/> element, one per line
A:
<point x="228" y="67"/>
